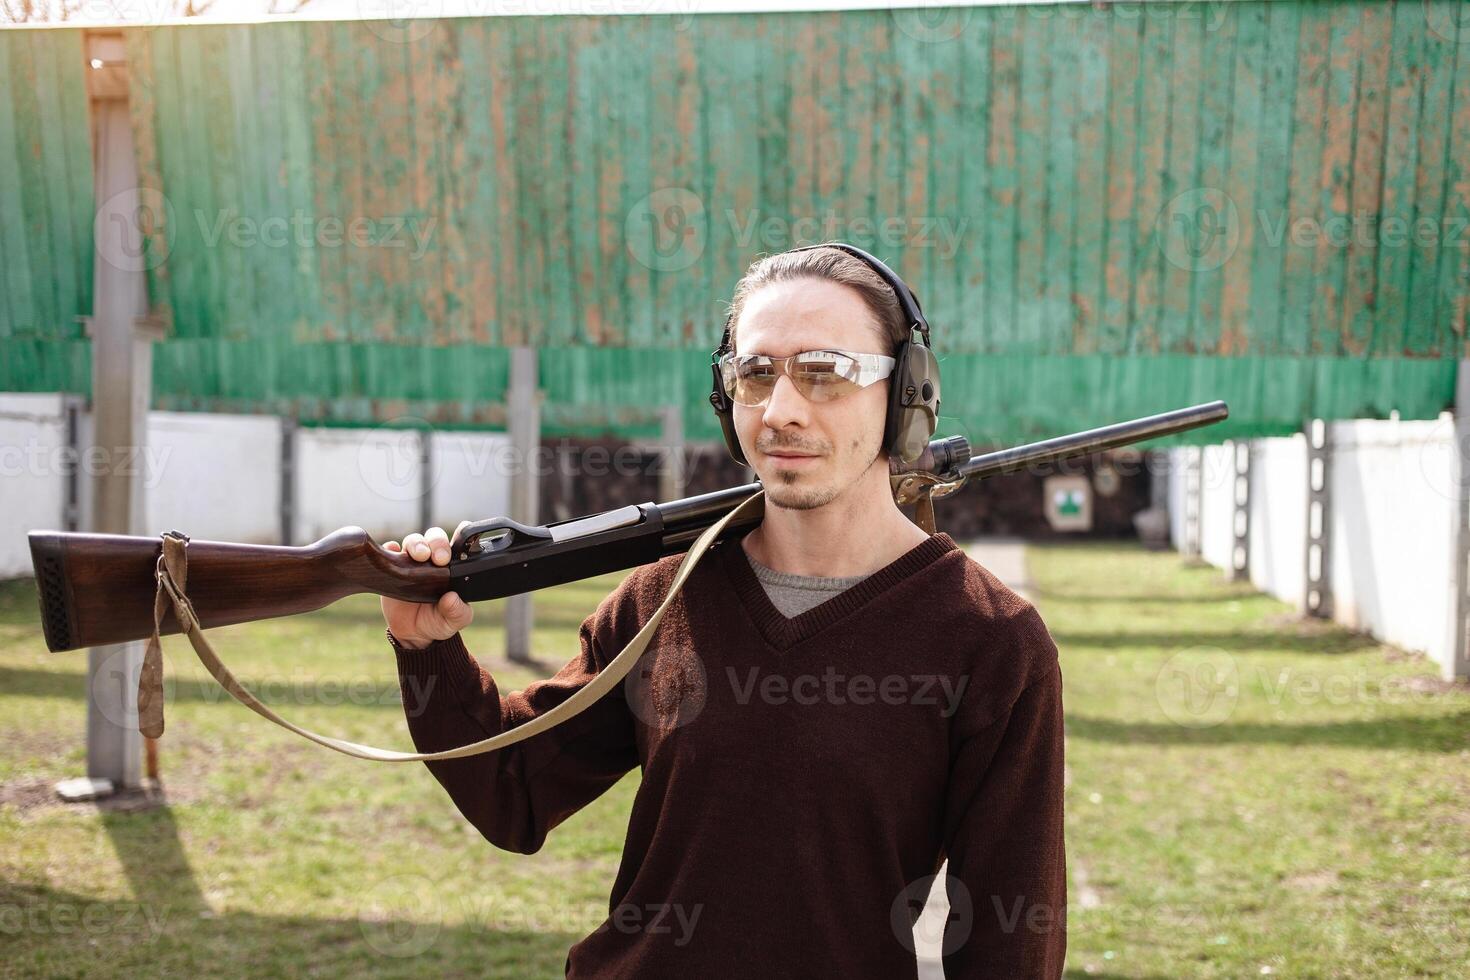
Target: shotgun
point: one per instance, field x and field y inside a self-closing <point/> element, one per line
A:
<point x="99" y="589"/>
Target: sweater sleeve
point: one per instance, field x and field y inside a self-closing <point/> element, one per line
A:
<point x="1007" y="874"/>
<point x="514" y="796"/>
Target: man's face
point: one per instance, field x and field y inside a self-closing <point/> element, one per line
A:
<point x="846" y="434"/>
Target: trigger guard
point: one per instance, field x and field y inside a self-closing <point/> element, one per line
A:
<point x="467" y="539"/>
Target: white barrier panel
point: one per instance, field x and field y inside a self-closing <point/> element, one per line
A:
<point x="1178" y="470"/>
<point x="1393" y="523"/>
<point x="367" y="477"/>
<point x="472" y="472"/>
<point x="33" y="465"/>
<point x="217" y="476"/>
<point x="1390" y="531"/>
<point x="1217" y="506"/>
<point x="1278" y="523"/>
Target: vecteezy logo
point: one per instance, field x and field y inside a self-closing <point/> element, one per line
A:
<point x="134" y="229"/>
<point x="114" y="686"/>
<point x="667" y="230"/>
<point x="1198" y="230"/>
<point x="668" y="687"/>
<point x="401" y="915"/>
<point x="400" y="21"/>
<point x="944" y="926"/>
<point x="1198" y="687"/>
<point x="932" y="23"/>
<point x="1448" y="21"/>
<point x="390" y="459"/>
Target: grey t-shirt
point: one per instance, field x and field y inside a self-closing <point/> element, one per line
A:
<point x="795" y="594"/>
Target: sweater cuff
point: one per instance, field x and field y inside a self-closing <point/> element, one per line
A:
<point x="442" y="661"/>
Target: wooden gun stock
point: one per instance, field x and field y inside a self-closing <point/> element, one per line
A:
<point x="98" y="589"/>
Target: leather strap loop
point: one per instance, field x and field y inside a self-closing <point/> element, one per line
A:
<point x="172" y="575"/>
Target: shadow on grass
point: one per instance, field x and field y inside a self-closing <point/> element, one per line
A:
<point x="52" y="932"/>
<point x="1145" y="598"/>
<point x="1329" y="641"/>
<point x="1443" y="733"/>
<point x="275" y="689"/>
<point x="153" y="859"/>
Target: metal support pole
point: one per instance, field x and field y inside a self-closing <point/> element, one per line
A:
<point x="288" y="480"/>
<point x="1457" y="663"/>
<point x="71" y="506"/>
<point x="671" y="474"/>
<point x="1317" y="593"/>
<point x="525" y="436"/>
<point x="426" y="479"/>
<point x="122" y="378"/>
<point x="1240" y="553"/>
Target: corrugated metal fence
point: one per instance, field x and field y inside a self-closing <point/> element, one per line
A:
<point x="1106" y="211"/>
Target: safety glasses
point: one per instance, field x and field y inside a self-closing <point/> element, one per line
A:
<point x="820" y="375"/>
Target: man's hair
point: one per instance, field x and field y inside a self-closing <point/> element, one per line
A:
<point x="832" y="264"/>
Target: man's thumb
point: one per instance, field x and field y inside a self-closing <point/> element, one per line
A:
<point x="456" y="611"/>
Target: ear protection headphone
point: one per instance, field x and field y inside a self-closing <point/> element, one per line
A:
<point x="913" y="387"/>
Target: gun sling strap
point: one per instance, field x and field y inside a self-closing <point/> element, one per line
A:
<point x="172" y="570"/>
<point x="172" y="575"/>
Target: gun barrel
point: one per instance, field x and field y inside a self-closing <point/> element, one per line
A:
<point x="1095" y="440"/>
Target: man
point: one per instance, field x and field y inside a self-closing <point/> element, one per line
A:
<point x="839" y="702"/>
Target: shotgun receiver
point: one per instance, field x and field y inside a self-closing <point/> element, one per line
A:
<point x="98" y="589"/>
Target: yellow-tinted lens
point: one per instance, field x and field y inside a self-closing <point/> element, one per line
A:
<point x="823" y="375"/>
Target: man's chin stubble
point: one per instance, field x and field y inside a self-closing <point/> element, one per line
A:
<point x="789" y="497"/>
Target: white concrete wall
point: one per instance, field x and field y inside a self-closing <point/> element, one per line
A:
<point x="1393" y="526"/>
<point x="1278" y="517"/>
<point x="1217" y="506"/>
<point x="1390" y="531"/>
<point x="32" y="474"/>
<point x="1178" y="482"/>
<point x="367" y="477"/>
<point x="219" y="477"/>
<point x="472" y="473"/>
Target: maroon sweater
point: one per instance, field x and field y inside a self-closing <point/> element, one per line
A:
<point x="802" y="778"/>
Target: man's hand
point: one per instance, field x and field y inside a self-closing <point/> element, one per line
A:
<point x="417" y="624"/>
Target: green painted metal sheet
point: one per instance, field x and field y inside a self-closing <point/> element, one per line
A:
<point x="45" y="193"/>
<point x="1106" y="210"/>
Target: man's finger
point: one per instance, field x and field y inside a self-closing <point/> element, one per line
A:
<point x="393" y="546"/>
<point x="415" y="546"/>
<point x="438" y="543"/>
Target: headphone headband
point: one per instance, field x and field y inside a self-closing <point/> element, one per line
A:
<point x="908" y="303"/>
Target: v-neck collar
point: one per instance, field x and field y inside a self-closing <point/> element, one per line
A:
<point x="784" y="632"/>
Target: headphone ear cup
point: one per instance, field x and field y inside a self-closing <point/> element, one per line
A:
<point x="913" y="407"/>
<point x="724" y="410"/>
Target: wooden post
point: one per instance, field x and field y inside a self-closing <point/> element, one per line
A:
<point x="525" y="437"/>
<point x="122" y="378"/>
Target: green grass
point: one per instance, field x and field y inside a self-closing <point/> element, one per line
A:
<point x="1212" y="830"/>
<point x="1250" y="793"/>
